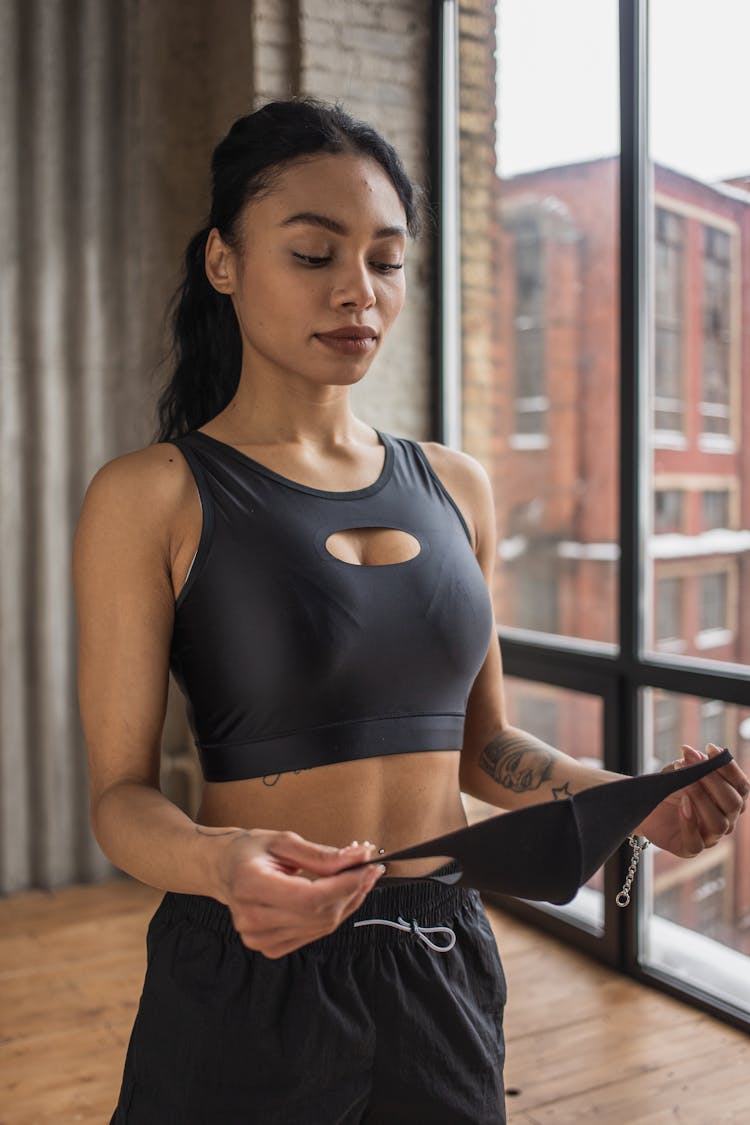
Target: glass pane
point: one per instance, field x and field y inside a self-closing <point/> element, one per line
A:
<point x="698" y="548"/>
<point x="571" y="721"/>
<point x="696" y="918"/>
<point x="543" y="418"/>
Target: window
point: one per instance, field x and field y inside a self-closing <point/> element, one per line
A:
<point x="713" y="601"/>
<point x="538" y="401"/>
<point x="537" y="588"/>
<point x="715" y="509"/>
<point x="705" y="900"/>
<point x="669" y="505"/>
<point x="696" y="912"/>
<point x="714" y="407"/>
<point x="667" y="731"/>
<point x="597" y="371"/>
<point x="669" y="282"/>
<point x="713" y="723"/>
<point x="530" y="398"/>
<point x="669" y="597"/>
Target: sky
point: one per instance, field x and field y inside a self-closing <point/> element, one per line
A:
<point x="557" y="98"/>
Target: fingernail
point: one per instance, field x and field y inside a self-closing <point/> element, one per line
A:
<point x="686" y="806"/>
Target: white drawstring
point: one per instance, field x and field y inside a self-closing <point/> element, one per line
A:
<point x="420" y="931"/>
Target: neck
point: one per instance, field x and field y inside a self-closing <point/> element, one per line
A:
<point x="322" y="417"/>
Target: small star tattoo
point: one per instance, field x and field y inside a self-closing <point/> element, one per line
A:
<point x="561" y="792"/>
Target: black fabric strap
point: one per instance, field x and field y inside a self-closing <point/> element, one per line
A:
<point x="546" y="852"/>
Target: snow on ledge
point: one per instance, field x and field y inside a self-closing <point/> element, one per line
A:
<point x="600" y="552"/>
<point x="672" y="545"/>
<point x="719" y="541"/>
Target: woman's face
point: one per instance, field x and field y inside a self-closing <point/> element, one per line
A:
<point x="282" y="300"/>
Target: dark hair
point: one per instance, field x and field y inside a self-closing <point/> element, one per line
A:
<point x="207" y="346"/>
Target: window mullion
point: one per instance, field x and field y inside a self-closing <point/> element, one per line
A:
<point x="634" y="293"/>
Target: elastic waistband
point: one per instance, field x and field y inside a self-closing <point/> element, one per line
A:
<point x="425" y="902"/>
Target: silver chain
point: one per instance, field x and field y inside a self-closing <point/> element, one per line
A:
<point x="623" y="898"/>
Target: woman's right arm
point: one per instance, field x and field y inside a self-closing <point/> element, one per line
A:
<point x="125" y="612"/>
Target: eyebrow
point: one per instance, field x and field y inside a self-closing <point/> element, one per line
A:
<point x="312" y="218"/>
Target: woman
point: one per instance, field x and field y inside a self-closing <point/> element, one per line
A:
<point x="320" y="591"/>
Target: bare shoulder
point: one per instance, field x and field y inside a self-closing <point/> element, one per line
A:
<point x="455" y="463"/>
<point x="159" y="465"/>
<point x="143" y="486"/>
<point x="135" y="512"/>
<point x="467" y="480"/>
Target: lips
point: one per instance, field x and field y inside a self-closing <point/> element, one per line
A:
<point x="352" y="332"/>
<point x="347" y="345"/>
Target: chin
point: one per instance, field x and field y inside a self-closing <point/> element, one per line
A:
<point x="344" y="374"/>
<point x="345" y="378"/>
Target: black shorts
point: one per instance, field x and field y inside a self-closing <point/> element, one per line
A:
<point x="367" y="1026"/>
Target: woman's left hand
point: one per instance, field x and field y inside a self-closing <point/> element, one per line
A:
<point x="698" y="816"/>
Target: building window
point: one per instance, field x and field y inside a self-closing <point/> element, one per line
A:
<point x="537" y="582"/>
<point x="530" y="384"/>
<point x="669" y="505"/>
<point x="699" y="902"/>
<point x="667" y="718"/>
<point x="713" y="723"/>
<point x="713" y="601"/>
<point x="714" y="407"/>
<point x="715" y="509"/>
<point x="668" y="321"/>
<point x="668" y="610"/>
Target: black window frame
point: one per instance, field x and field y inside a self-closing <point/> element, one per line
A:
<point x="619" y="676"/>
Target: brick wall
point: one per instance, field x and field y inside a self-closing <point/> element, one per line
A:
<point x="482" y="355"/>
<point x="374" y="59"/>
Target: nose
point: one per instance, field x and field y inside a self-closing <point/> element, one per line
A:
<point x="355" y="287"/>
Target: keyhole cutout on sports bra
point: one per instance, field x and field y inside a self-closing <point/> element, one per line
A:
<point x="372" y="546"/>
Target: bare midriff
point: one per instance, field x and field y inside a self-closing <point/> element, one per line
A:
<point x="392" y="801"/>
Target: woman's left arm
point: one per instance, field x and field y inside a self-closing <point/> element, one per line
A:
<point x="510" y="768"/>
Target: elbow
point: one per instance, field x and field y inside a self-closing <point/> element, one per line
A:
<point x="103" y="807"/>
<point x="98" y="816"/>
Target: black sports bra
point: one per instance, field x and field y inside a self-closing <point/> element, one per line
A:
<point x="289" y="657"/>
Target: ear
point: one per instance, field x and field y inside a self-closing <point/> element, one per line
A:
<point x="220" y="266"/>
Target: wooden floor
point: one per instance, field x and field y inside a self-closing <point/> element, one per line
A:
<point x="584" y="1044"/>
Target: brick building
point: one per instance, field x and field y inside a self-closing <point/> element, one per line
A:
<point x="555" y="464"/>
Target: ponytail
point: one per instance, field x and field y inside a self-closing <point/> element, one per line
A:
<point x="207" y="349"/>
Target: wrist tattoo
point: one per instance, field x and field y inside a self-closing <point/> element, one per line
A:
<point x="516" y="765"/>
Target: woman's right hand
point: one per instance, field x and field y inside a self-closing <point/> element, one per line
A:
<point x="274" y="907"/>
